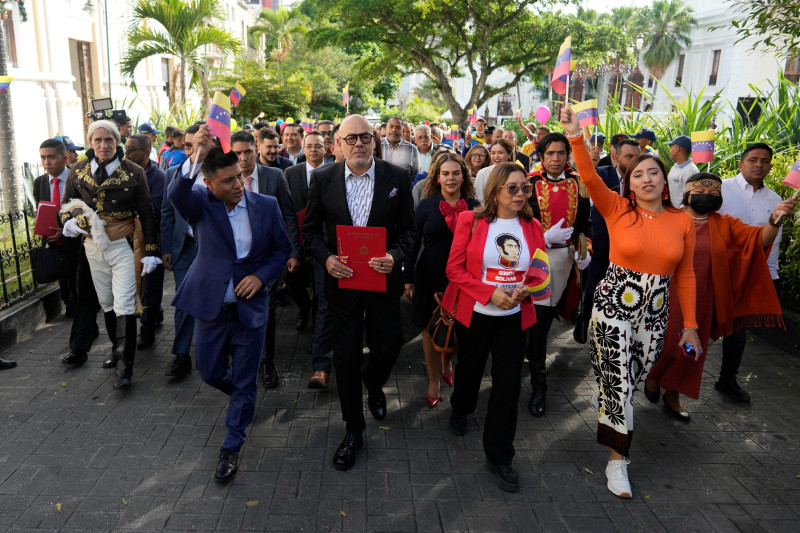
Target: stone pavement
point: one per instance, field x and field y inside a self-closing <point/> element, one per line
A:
<point x="77" y="456"/>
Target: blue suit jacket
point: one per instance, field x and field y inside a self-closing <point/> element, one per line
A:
<point x="203" y="290"/>
<point x="600" y="242"/>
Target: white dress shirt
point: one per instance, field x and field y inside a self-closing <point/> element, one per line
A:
<point x="186" y="168"/>
<point x="61" y="183"/>
<point x="753" y="207"/>
<point x="242" y="236"/>
<point x="309" y="170"/>
<point x="360" y="190"/>
<point x="110" y="168"/>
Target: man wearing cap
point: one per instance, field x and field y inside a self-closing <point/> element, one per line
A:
<point x="72" y="149"/>
<point x="597" y="145"/>
<point x="148" y="129"/>
<point x="646" y="139"/>
<point x="608" y="161"/>
<point x="680" y="151"/>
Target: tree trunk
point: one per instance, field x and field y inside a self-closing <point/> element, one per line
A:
<point x="204" y="85"/>
<point x="9" y="181"/>
<point x="183" y="81"/>
<point x="173" y="89"/>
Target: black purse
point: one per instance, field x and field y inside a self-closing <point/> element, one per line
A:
<point x="48" y="264"/>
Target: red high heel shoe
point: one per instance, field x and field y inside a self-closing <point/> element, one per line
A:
<point x="448" y="378"/>
<point x="433" y="402"/>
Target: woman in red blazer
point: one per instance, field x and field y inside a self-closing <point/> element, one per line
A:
<point x="496" y="250"/>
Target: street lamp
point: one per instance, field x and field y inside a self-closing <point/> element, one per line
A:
<point x="88" y="7"/>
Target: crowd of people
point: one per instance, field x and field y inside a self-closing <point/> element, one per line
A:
<point x="652" y="266"/>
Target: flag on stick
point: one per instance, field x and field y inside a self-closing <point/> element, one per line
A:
<point x="219" y="120"/>
<point x="473" y="115"/>
<point x="586" y="112"/>
<point x="346" y="94"/>
<point x="537" y="277"/>
<point x="792" y="179"/>
<point x="237" y="93"/>
<point x="518" y="113"/>
<point x="562" y="70"/>
<point x="5" y="81"/>
<point x="703" y="146"/>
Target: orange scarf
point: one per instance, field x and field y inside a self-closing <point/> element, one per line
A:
<point x="744" y="295"/>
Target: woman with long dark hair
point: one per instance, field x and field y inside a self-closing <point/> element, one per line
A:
<point x="650" y="243"/>
<point x="448" y="192"/>
<point x="492" y="259"/>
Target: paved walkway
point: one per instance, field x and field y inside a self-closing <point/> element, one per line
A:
<point x="77" y="456"/>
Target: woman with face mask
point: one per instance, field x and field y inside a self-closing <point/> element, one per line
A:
<point x="734" y="289"/>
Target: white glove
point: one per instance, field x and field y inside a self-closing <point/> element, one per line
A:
<point x="149" y="264"/>
<point x="557" y="234"/>
<point x="583" y="263"/>
<point x="71" y="229"/>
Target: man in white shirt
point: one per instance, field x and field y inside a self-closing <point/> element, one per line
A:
<point x="398" y="151"/>
<point x="425" y="147"/>
<point x="746" y="197"/>
<point x="680" y="150"/>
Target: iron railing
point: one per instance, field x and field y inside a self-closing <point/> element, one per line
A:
<point x="16" y="241"/>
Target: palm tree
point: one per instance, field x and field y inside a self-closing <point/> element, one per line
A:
<point x="279" y="27"/>
<point x="621" y="17"/>
<point x="178" y="28"/>
<point x="666" y="25"/>
<point x="9" y="185"/>
<point x="589" y="16"/>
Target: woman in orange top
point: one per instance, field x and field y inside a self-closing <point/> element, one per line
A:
<point x="649" y="242"/>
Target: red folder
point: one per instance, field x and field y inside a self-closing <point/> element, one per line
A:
<point x="301" y="216"/>
<point x="357" y="245"/>
<point x="46" y="218"/>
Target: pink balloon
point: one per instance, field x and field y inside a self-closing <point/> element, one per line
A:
<point x="542" y="114"/>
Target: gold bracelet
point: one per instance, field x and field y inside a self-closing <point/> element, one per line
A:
<point x="579" y="134"/>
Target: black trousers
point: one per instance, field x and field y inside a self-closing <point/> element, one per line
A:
<point x="297" y="283"/>
<point x="537" y="346"/>
<point x="151" y="299"/>
<point x="84" y="325"/>
<point x="379" y="314"/>
<point x="504" y="337"/>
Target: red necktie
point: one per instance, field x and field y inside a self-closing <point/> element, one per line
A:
<point x="56" y="196"/>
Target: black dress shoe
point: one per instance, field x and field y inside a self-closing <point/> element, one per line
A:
<point x="653" y="397"/>
<point x="683" y="416"/>
<point x="458" y="423"/>
<point x="302" y="322"/>
<point x="537" y="402"/>
<point x="505" y="476"/>
<point x="74" y="359"/>
<point x="227" y="467"/>
<point x="377" y="405"/>
<point x="145" y="340"/>
<point x="345" y="455"/>
<point x="124" y="379"/>
<point x="269" y="375"/>
<point x="112" y="361"/>
<point x="180" y="366"/>
<point x="7" y="365"/>
<point x="732" y="390"/>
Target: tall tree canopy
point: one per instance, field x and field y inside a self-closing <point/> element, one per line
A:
<point x="449" y="39"/>
<point x="666" y="26"/>
<point x="775" y="23"/>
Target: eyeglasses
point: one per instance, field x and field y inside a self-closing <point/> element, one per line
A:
<point x="514" y="189"/>
<point x="366" y="138"/>
<point x="479" y="155"/>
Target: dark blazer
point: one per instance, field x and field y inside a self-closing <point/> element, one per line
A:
<point x="524" y="159"/>
<point x="298" y="185"/>
<point x="600" y="242"/>
<point x="203" y="290"/>
<point x="41" y="189"/>
<point x="392" y="208"/>
<point x="173" y="225"/>
<point x="272" y="183"/>
<point x="156" y="182"/>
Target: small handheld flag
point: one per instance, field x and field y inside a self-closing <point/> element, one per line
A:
<point x="562" y="70"/>
<point x="792" y="179"/>
<point x="261" y="114"/>
<point x="703" y="146"/>
<point x="5" y="81"/>
<point x="219" y="120"/>
<point x="586" y="113"/>
<point x="537" y="277"/>
<point x="473" y="115"/>
<point x="518" y="113"/>
<point x="346" y="94"/>
<point x="237" y="93"/>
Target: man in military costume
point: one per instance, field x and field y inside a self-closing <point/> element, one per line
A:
<point x="103" y="196"/>
<point x="561" y="203"/>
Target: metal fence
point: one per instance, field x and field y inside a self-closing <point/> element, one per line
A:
<point x="16" y="241"/>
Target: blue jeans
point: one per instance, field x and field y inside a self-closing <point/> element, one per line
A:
<point x="732" y="352"/>
<point x="184" y="324"/>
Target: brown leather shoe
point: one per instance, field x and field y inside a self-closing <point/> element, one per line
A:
<point x="319" y="380"/>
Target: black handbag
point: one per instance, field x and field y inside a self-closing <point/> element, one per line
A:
<point x="48" y="264"/>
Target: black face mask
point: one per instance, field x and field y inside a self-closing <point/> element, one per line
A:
<point x="705" y="203"/>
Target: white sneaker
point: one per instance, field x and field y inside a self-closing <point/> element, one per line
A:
<point x="617" y="475"/>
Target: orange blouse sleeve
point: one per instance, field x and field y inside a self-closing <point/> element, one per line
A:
<point x="684" y="276"/>
<point x="606" y="200"/>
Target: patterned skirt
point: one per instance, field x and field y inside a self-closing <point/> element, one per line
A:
<point x="629" y="318"/>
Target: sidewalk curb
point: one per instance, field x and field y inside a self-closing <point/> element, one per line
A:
<point x="25" y="317"/>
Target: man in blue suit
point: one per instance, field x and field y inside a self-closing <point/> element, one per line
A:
<point x="622" y="153"/>
<point x="242" y="246"/>
<point x="179" y="249"/>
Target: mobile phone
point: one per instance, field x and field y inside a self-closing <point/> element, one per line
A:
<point x="688" y="350"/>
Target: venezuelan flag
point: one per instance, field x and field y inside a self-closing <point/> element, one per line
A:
<point x="793" y="177"/>
<point x="5" y="81"/>
<point x="518" y="113"/>
<point x="237" y="93"/>
<point x="346" y="94"/>
<point x="473" y="115"/>
<point x="219" y="120"/>
<point x="537" y="277"/>
<point x="563" y="64"/>
<point x="586" y="112"/>
<point x="703" y="146"/>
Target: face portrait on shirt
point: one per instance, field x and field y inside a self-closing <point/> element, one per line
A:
<point x="246" y="152"/>
<point x="227" y="184"/>
<point x="508" y="247"/>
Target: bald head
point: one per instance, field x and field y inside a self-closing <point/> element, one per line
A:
<point x="356" y="142"/>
